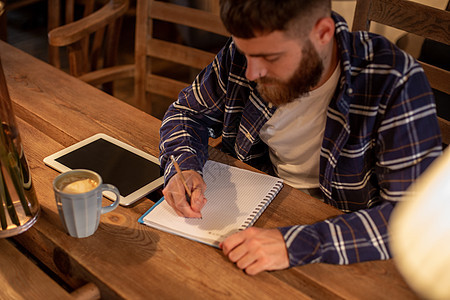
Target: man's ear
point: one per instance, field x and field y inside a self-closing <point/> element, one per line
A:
<point x="323" y="31"/>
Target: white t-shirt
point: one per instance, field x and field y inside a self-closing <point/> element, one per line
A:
<point x="294" y="135"/>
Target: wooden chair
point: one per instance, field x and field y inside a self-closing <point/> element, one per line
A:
<point x="92" y="44"/>
<point x="153" y="50"/>
<point x="422" y="20"/>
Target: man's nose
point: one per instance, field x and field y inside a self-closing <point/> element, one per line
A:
<point x="255" y="69"/>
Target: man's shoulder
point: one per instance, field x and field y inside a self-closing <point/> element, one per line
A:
<point x="366" y="50"/>
<point x="362" y="51"/>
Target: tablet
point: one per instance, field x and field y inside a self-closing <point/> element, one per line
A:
<point x="134" y="172"/>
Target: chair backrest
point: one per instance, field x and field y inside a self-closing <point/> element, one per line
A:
<point x="419" y="19"/>
<point x="92" y="44"/>
<point x="178" y="52"/>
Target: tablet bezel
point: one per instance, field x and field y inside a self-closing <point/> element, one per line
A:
<point x="124" y="201"/>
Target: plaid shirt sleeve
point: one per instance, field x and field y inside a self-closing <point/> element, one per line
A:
<point x="194" y="117"/>
<point x="349" y="238"/>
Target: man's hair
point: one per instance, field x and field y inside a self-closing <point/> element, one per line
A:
<point x="246" y="18"/>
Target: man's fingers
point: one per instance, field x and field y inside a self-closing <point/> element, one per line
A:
<point x="255" y="250"/>
<point x="198" y="200"/>
<point x="232" y="242"/>
<point x="187" y="211"/>
<point x="181" y="206"/>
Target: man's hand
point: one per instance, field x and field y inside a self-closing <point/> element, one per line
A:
<point x="256" y="250"/>
<point x="175" y="194"/>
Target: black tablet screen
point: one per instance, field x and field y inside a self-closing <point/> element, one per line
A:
<point x="117" y="166"/>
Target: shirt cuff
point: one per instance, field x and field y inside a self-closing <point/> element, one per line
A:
<point x="186" y="161"/>
<point x="303" y="244"/>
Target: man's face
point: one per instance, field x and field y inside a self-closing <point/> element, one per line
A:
<point x="284" y="68"/>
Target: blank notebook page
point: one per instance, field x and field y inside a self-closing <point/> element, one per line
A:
<point x="235" y="199"/>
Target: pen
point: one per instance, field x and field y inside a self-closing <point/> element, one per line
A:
<point x="177" y="167"/>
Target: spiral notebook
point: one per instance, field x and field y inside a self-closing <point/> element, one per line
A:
<point x="236" y="198"/>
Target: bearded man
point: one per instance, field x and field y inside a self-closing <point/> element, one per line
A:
<point x="346" y="117"/>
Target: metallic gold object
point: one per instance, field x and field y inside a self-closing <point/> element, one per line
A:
<point x="19" y="208"/>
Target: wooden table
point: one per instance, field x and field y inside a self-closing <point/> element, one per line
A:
<point x="128" y="260"/>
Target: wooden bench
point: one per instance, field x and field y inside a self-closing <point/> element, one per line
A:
<point x="21" y="278"/>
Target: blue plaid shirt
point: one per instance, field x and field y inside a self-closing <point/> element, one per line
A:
<point x="381" y="133"/>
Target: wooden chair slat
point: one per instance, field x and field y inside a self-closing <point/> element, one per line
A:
<point x="165" y="86"/>
<point x="179" y="54"/>
<point x="430" y="22"/>
<point x="188" y="16"/>
<point x="438" y="78"/>
<point x="444" y="125"/>
<point x="108" y="74"/>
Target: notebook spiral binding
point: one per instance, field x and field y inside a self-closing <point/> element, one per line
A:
<point x="254" y="215"/>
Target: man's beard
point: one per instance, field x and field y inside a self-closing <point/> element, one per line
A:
<point x="305" y="77"/>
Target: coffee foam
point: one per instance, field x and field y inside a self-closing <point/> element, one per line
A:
<point x="80" y="186"/>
